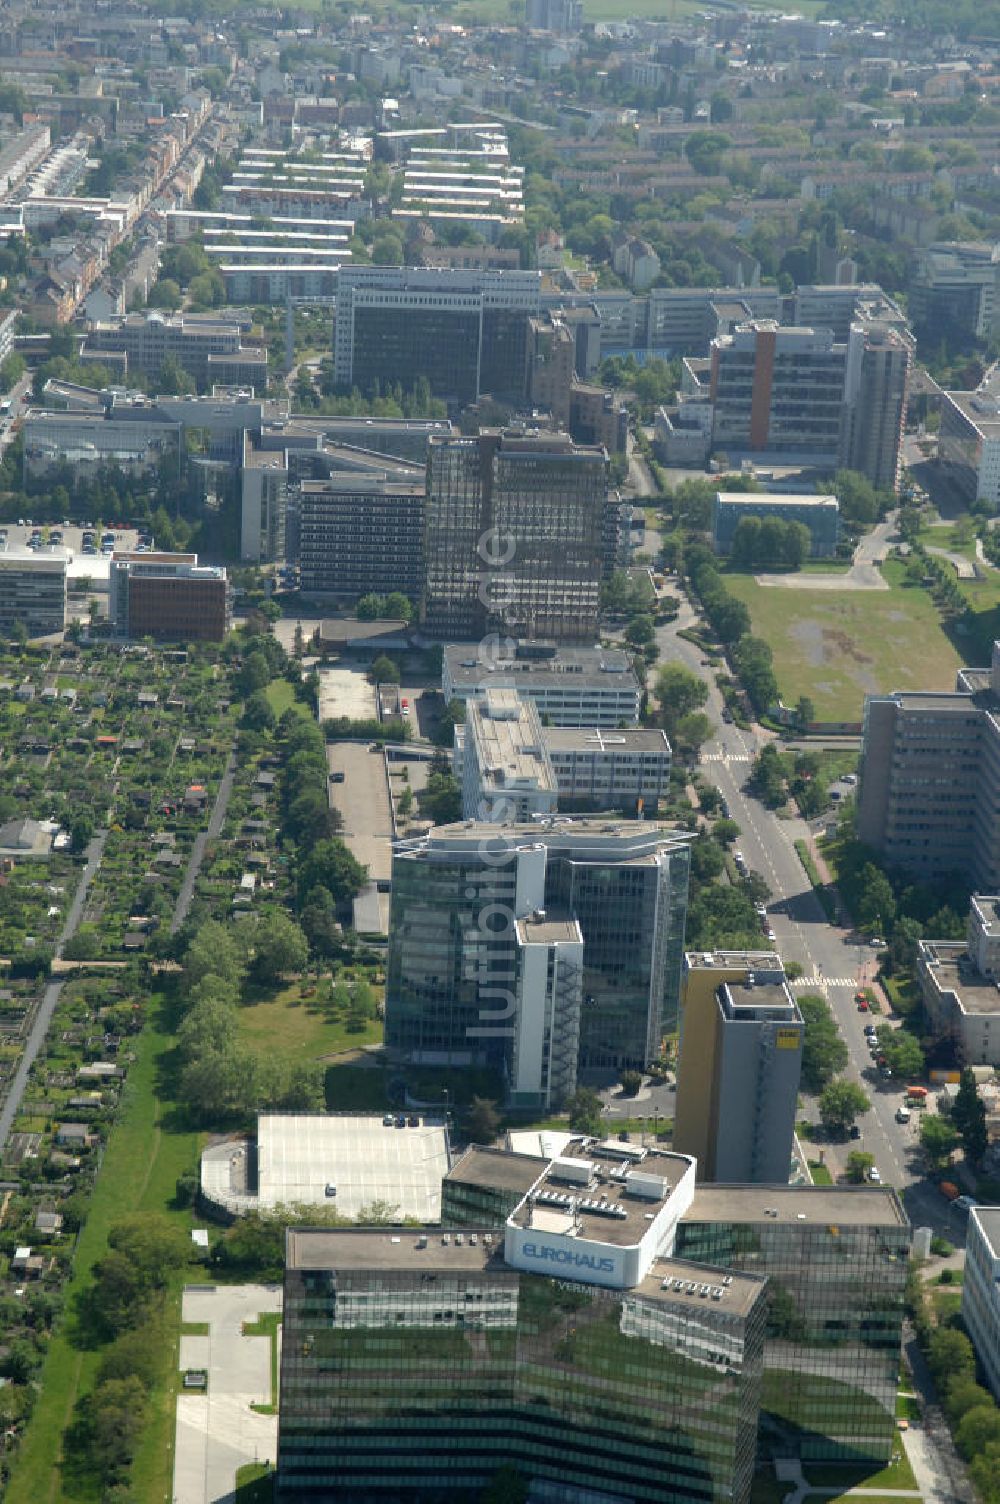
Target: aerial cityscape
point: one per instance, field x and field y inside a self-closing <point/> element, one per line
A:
<point x="500" y="752"/>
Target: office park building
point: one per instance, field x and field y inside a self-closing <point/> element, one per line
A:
<point x="538" y="949"/>
<point x="575" y="1334"/>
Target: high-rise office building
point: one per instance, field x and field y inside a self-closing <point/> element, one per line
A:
<point x="798" y="394"/>
<point x="361" y="534"/>
<point x="514" y="536"/>
<point x="875" y="396"/>
<point x="778" y="391"/>
<point x="740" y="1060"/>
<point x="956" y="290"/>
<point x="463" y="985"/>
<point x="929" y="788"/>
<point x="464" y="331"/>
<point x="836" y="1262"/>
<point x="421" y="1363"/>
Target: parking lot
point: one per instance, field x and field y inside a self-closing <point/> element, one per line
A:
<point x="71" y="537"/>
<point x="217" y="1432"/>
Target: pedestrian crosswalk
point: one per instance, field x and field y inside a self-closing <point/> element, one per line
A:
<point x="726" y="757"/>
<point x="820" y="981"/>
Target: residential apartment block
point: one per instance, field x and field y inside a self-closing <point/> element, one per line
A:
<point x="458" y="991"/>
<point x="929" y="788"/>
<point x="571" y="686"/>
<point x="981" y="1290"/>
<point x="168" y="596"/>
<point x="33" y="590"/>
<point x="514" y="536"/>
<point x="960" y="984"/>
<point x="740" y="1061"/>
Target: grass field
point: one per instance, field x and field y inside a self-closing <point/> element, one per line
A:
<point x="299" y="1029"/>
<point x="836" y="647"/>
<point x="146" y="1153"/>
<point x="281" y="697"/>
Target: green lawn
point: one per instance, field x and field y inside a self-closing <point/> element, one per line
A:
<point x="254" y="1483"/>
<point x="281" y="697"/>
<point x="145" y="1155"/>
<point x="820" y="1174"/>
<point x="898" y="1474"/>
<point x="837" y="646"/>
<point x="299" y="1028"/>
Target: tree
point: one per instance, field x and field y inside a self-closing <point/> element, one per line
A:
<point x="805" y="712"/>
<point x="902" y="1051"/>
<point x="330" y="865"/>
<point x="968" y="1113"/>
<point x="964" y="1395"/>
<point x="692" y="731"/>
<point x="640" y="631"/>
<point x="840" y="1103"/>
<point x="384" y="671"/>
<point x="950" y="1358"/>
<point x="258" y="714"/>
<point x="482" y="1120"/>
<point x="679" y="692"/>
<point x="858" y="1165"/>
<point x="875" y="908"/>
<point x="442" y="798"/>
<point x="255" y="674"/>
<point x="279" y="946"/>
<point x="214" y="950"/>
<point x="824" y="1053"/>
<point x="585" y="1108"/>
<point x="631" y="1083"/>
<point x="977" y="1430"/>
<point x="938" y="1138"/>
<point x="370" y="607"/>
<point x="319" y="923"/>
<point x="165" y="293"/>
<point x="398" y="607"/>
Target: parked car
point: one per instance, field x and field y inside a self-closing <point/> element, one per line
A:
<point x="854" y="1131"/>
<point x="874" y="1176"/>
<point x="902" y="1114"/>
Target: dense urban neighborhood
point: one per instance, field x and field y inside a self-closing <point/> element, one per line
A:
<point x="499" y="745"/>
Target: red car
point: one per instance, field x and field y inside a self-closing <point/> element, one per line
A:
<point x="862" y="1005"/>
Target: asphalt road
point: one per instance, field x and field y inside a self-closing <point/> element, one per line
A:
<point x="210" y="833"/>
<point x="50" y="997"/>
<point x="834" y="963"/>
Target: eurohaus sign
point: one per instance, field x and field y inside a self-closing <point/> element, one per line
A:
<point x="545" y="1253"/>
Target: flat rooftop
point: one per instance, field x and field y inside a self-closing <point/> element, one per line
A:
<point x="566" y="668"/>
<point x="552" y="930"/>
<point x="762" y="997"/>
<point x="506" y="735"/>
<point x="403" y="1248"/>
<point x="954" y="970"/>
<point x="557" y="1203"/>
<point x="587" y="739"/>
<point x="848" y="1206"/>
<point x="780" y="499"/>
<point x="733" y="960"/>
<point x="988" y="1218"/>
<point x="686" y="1283"/>
<point x="300" y="1155"/>
<point x="498" y="1169"/>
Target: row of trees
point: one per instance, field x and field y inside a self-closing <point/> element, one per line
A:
<point x="770" y="543"/>
<point x="729" y="618"/>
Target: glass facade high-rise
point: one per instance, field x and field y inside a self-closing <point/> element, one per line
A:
<point x="514" y="536"/>
<point x="836" y="1266"/>
<point x="456" y="956"/>
<point x="417" y="1364"/>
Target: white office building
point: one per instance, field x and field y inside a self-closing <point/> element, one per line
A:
<point x="504" y="767"/>
<point x="981" y="1291"/>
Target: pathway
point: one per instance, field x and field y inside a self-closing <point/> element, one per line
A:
<point x="50" y="997"/>
<point x="201" y="840"/>
<point x="864" y="573"/>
